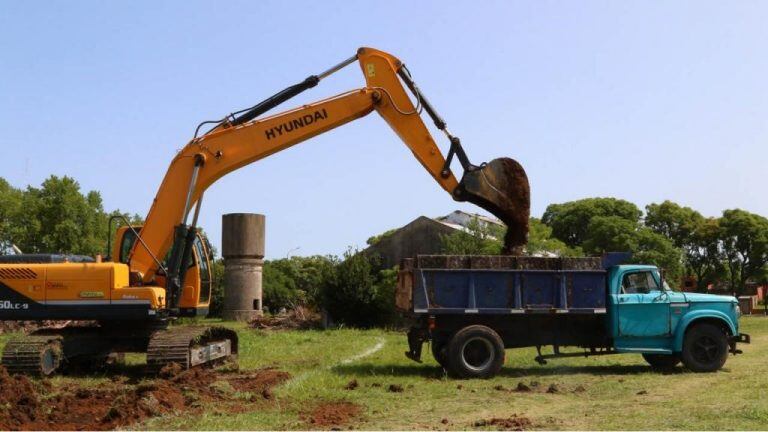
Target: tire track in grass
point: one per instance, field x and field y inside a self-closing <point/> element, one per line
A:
<point x="380" y="342"/>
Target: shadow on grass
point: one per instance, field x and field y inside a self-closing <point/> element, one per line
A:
<point x="132" y="373"/>
<point x="428" y="371"/>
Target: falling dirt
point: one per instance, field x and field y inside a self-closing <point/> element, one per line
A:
<point x="395" y="388"/>
<point x="331" y="414"/>
<point x="352" y="385"/>
<point x="513" y="423"/>
<point x="553" y="388"/>
<point x="30" y="405"/>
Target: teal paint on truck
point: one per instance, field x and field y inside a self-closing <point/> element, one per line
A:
<point x="655" y="321"/>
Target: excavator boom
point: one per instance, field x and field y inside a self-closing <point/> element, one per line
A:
<point x="500" y="187"/>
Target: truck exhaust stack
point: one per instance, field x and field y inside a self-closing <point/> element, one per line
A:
<point x="501" y="187"/>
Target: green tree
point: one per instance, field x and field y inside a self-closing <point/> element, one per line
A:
<point x="744" y="238"/>
<point x="704" y="256"/>
<point x="10" y="208"/>
<point x="372" y="240"/>
<point x="478" y="239"/>
<point x="294" y="281"/>
<point x="541" y="241"/>
<point x="569" y="221"/>
<point x="358" y="293"/>
<point x="617" y="234"/>
<point x="217" y="288"/>
<point x="58" y="218"/>
<point x="695" y="235"/>
<point x="673" y="221"/>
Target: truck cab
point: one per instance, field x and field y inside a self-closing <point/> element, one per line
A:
<point x="646" y="316"/>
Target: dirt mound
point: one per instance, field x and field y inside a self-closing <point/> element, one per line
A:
<point x="28" y="405"/>
<point x="332" y="414"/>
<point x="513" y="423"/>
<point x="300" y="318"/>
<point x="30" y="326"/>
<point x="19" y="400"/>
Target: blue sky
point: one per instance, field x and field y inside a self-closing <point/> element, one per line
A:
<point x="639" y="100"/>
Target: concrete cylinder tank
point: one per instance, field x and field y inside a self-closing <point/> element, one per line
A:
<point x="242" y="246"/>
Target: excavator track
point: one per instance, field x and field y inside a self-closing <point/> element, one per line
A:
<point x="190" y="346"/>
<point x="38" y="355"/>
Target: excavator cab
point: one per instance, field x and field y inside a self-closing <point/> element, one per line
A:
<point x="198" y="281"/>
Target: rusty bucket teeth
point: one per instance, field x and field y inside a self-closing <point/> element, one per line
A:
<point x="501" y="187"/>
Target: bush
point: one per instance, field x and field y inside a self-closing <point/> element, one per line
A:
<point x="359" y="293"/>
<point x="217" y="288"/>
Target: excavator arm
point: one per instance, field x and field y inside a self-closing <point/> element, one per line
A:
<point x="246" y="137"/>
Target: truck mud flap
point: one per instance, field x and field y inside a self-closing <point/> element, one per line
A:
<point x="416" y="339"/>
<point x="740" y="338"/>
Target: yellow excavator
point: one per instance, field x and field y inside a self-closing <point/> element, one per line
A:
<point x="160" y="271"/>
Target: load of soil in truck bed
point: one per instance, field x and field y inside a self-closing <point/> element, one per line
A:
<point x="500" y="262"/>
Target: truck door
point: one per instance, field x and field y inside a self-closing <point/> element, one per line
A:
<point x="642" y="308"/>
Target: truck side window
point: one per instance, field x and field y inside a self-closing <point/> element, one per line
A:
<point x="638" y="283"/>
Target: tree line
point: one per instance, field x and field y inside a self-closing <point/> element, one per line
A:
<point x="54" y="218"/>
<point x="730" y="250"/>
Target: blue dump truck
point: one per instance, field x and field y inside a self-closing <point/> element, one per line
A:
<point x="471" y="308"/>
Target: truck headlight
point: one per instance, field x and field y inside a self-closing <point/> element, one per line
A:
<point x="738" y="309"/>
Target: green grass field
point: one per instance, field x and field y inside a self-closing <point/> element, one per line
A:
<point x="611" y="392"/>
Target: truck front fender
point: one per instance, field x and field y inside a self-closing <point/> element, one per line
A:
<point x="696" y="316"/>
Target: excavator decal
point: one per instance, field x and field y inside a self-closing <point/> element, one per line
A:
<point x="297" y="123"/>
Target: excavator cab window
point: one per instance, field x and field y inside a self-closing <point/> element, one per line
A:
<point x="205" y="270"/>
<point x="129" y="238"/>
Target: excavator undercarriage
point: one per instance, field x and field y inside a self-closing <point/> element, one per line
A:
<point x="49" y="350"/>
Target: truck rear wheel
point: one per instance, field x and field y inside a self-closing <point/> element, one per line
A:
<point x="475" y="352"/>
<point x="662" y="361"/>
<point x="705" y="348"/>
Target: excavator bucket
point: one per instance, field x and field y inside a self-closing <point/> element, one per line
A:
<point x="501" y="187"/>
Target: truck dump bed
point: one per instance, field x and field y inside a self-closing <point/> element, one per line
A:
<point x="479" y="284"/>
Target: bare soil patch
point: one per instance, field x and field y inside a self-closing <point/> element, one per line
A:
<point x="332" y="414"/>
<point x="37" y="405"/>
<point x="512" y="423"/>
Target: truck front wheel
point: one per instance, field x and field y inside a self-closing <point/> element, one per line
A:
<point x="705" y="348"/>
<point x="662" y="361"/>
<point x="475" y="352"/>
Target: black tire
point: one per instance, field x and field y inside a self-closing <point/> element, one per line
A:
<point x="440" y="352"/>
<point x="662" y="361"/>
<point x="475" y="352"/>
<point x="705" y="348"/>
